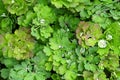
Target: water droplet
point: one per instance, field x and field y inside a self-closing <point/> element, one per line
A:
<point x="42" y="21"/>
<point x="102" y="43"/>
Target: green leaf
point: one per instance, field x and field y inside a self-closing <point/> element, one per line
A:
<point x="48" y="66"/>
<point x="70" y="75"/>
<point x="47" y="50"/>
<point x="35" y="33"/>
<point x="2" y="8"/>
<point x="103" y="51"/>
<point x="91" y="42"/>
<point x="53" y="44"/>
<point x="18" y="7"/>
<point x="26" y="20"/>
<point x="84" y="14"/>
<point x="68" y="21"/>
<point x="58" y="4"/>
<point x="4" y="73"/>
<point x="29" y="76"/>
<point x="39" y="77"/>
<point x="6" y="25"/>
<point x="44" y="13"/>
<point x="98" y="19"/>
<point x="56" y="77"/>
<point x="92" y="50"/>
<point x="46" y="32"/>
<point x="80" y="66"/>
<point x="9" y="62"/>
<point x="62" y="69"/>
<point x="17" y="75"/>
<point x="87" y="75"/>
<point x="91" y="67"/>
<point x="100" y="75"/>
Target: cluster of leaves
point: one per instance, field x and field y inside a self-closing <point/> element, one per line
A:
<point x="6" y="25"/>
<point x="113" y="41"/>
<point x="41" y="23"/>
<point x="18" y="7"/>
<point x="96" y="57"/>
<point x="59" y="40"/>
<point x="62" y="57"/>
<point x="12" y="45"/>
<point x="73" y="5"/>
<point x="88" y="34"/>
<point x="100" y="11"/>
<point x="40" y="18"/>
<point x="29" y="69"/>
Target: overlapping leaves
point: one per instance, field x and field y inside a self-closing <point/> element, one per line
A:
<point x="13" y="46"/>
<point x="88" y="34"/>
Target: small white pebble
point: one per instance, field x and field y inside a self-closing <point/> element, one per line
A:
<point x="102" y="43"/>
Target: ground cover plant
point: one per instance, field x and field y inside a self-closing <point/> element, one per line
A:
<point x="59" y="39"/>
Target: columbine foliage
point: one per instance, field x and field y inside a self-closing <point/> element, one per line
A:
<point x="61" y="56"/>
<point x="59" y="39"/>
<point x="13" y="45"/>
<point x="18" y="7"/>
<point x="88" y="34"/>
<point x="41" y="23"/>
